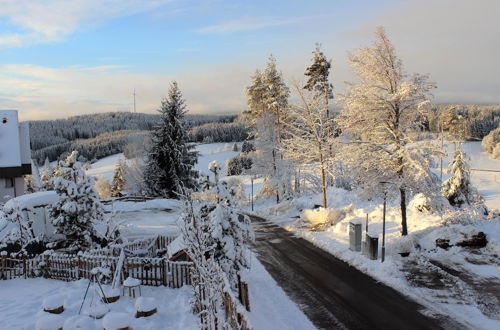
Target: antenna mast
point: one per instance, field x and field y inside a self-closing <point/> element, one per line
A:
<point x="134" y="101"/>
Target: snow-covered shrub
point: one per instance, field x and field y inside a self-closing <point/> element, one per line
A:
<point x="458" y="189"/>
<point x="247" y="147"/>
<point x="491" y="142"/>
<point x="78" y="209"/>
<point x="424" y="203"/>
<point x="328" y="215"/>
<point x="238" y="164"/>
<point x="102" y="187"/>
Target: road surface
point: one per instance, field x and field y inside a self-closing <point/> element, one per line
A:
<point x="331" y="293"/>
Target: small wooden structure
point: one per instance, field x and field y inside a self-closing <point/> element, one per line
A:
<point x="132" y="285"/>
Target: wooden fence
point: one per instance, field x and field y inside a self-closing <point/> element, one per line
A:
<point x="150" y="247"/>
<point x="151" y="271"/>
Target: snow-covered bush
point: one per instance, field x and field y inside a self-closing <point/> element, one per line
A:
<point x="102" y="187"/>
<point x="491" y="143"/>
<point x="238" y="164"/>
<point x="458" y="189"/>
<point x="424" y="203"/>
<point x="78" y="209"/>
<point x="325" y="216"/>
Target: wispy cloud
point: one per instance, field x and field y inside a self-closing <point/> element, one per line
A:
<point x="37" y="21"/>
<point x="248" y="24"/>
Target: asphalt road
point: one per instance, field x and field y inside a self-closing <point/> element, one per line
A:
<point x="331" y="293"/>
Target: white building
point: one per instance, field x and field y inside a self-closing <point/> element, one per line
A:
<point x="15" y="155"/>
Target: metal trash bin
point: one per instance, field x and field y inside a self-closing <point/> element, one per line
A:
<point x="355" y="229"/>
<point x="371" y="247"/>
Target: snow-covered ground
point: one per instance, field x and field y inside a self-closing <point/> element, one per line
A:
<point x="488" y="183"/>
<point x="459" y="282"/>
<point x="105" y="167"/>
<point x="21" y="305"/>
<point x="152" y="217"/>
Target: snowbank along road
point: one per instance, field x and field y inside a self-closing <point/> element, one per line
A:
<point x="331" y="293"/>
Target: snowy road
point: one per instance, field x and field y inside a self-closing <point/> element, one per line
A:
<point x="331" y="293"/>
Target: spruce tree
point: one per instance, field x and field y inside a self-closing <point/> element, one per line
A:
<point x="78" y="207"/>
<point x="458" y="189"/>
<point x="118" y="178"/>
<point x="169" y="168"/>
<point x="318" y="74"/>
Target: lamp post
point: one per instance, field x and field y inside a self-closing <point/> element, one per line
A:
<point x="251" y="180"/>
<point x="384" y="184"/>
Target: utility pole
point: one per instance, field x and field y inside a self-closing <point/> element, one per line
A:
<point x="134" y="101"/>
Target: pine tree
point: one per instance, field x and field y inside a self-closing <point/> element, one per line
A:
<point x="118" y="178"/>
<point x="318" y="74"/>
<point x="169" y="168"/>
<point x="458" y="189"/>
<point x="78" y="208"/>
<point x="255" y="99"/>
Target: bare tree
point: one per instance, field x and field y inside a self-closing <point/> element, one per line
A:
<point x="379" y="112"/>
<point x="308" y="139"/>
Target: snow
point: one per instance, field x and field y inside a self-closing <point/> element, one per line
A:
<point x="32" y="200"/>
<point x="115" y="321"/>
<point x="175" y="246"/>
<point x="21" y="306"/>
<point x="219" y="152"/>
<point x="49" y="322"/>
<point x="270" y="306"/>
<point x="145" y="304"/>
<point x="487" y="183"/>
<point x="53" y="302"/>
<point x="131" y="282"/>
<point x="105" y="167"/>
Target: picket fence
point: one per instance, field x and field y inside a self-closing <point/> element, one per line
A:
<point x="151" y="271"/>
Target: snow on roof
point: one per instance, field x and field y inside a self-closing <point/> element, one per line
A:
<point x="175" y="246"/>
<point x="32" y="200"/>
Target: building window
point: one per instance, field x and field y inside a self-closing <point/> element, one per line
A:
<point x="9" y="182"/>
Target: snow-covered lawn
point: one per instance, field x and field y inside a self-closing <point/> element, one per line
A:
<point x="21" y="305"/>
<point x="105" y="167"/>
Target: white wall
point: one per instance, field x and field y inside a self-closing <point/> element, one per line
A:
<point x="10" y="149"/>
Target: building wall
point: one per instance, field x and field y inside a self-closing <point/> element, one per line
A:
<point x="7" y="191"/>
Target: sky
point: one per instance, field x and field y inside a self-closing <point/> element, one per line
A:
<point x="60" y="58"/>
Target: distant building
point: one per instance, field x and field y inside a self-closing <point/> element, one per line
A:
<point x="15" y="155"/>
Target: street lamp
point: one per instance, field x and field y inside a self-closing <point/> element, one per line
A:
<point x="384" y="184"/>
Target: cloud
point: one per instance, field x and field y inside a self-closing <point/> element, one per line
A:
<point x="40" y="92"/>
<point x="53" y="20"/>
<point x="248" y="24"/>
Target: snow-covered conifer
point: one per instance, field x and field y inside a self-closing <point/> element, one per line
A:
<point x="78" y="209"/>
<point x="118" y="178"/>
<point x="169" y="168"/>
<point x="318" y="74"/>
<point x="458" y="189"/>
<point x="46" y="175"/>
<point x="379" y="112"/>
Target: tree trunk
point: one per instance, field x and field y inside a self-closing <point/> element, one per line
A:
<point x="404" y="226"/>
<point x="323" y="179"/>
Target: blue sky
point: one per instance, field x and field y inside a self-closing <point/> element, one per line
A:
<point x="67" y="57"/>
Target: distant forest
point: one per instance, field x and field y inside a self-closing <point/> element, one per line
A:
<point x="99" y="135"/>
